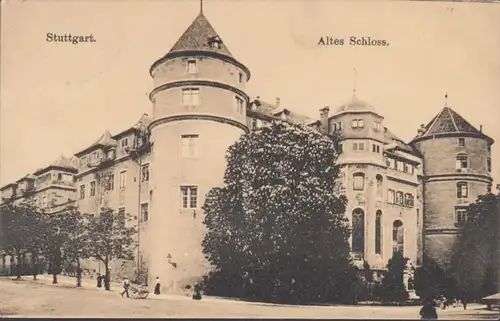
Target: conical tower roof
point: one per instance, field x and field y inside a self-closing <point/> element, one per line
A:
<point x="199" y="36"/>
<point x="448" y="121"/>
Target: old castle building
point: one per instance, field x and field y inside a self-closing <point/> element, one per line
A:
<point x="406" y="197"/>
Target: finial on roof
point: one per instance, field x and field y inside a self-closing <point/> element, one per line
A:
<point x="201" y="6"/>
<point x="446" y="100"/>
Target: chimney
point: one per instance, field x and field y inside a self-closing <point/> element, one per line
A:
<point x="481" y="128"/>
<point x="277" y="102"/>
<point x="323" y="117"/>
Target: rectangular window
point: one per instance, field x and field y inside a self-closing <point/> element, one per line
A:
<point x="239" y="104"/>
<point x="144" y="212"/>
<point x="240" y="78"/>
<point x="124" y="142"/>
<point x="400" y="166"/>
<point x="189" y="145"/>
<point x="341" y="148"/>
<point x="358" y="181"/>
<point x="354" y="123"/>
<point x="406" y="168"/>
<point x="123" y="179"/>
<point x="374" y="148"/>
<point x="488" y="164"/>
<point x="339" y="125"/>
<point x="361" y="146"/>
<point x="82" y="191"/>
<point x="462" y="190"/>
<point x="145" y="173"/>
<point x="399" y="198"/>
<point x="460" y="215"/>
<point x="462" y="161"/>
<point x="360" y="123"/>
<point x="189" y="197"/>
<point x="409" y="199"/>
<point x="191" y="66"/>
<point x="461" y="142"/>
<point x="121" y="213"/>
<point x="92" y="188"/>
<point x="190" y="96"/>
<point x="354" y="146"/>
<point x="390" y="196"/>
<point x="110" y="184"/>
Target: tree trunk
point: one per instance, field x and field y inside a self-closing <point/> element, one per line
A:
<point x="18" y="267"/>
<point x="34" y="267"/>
<point x="54" y="278"/>
<point x="107" y="277"/>
<point x="78" y="274"/>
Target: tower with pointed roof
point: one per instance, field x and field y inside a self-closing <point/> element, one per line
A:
<point x="199" y="110"/>
<point x="457" y="159"/>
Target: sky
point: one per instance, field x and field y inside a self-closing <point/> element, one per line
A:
<point x="58" y="98"/>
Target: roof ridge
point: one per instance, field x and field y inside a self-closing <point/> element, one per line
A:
<point x="434" y="121"/>
<point x="452" y="119"/>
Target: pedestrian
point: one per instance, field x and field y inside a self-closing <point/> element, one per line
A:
<point x="99" y="280"/>
<point x="126" y="285"/>
<point x="197" y="292"/>
<point x="428" y="311"/>
<point x="464" y="303"/>
<point x="157" y="286"/>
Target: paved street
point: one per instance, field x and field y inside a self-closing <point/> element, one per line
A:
<point x="29" y="298"/>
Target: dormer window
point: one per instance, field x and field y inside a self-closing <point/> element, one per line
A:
<point x="124" y="142"/>
<point x="191" y="66"/>
<point x="214" y="42"/>
<point x="461" y="142"/>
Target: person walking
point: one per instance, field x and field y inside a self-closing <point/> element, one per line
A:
<point x="126" y="286"/>
<point x="428" y="311"/>
<point x="99" y="280"/>
<point x="157" y="286"/>
<point x="464" y="303"/>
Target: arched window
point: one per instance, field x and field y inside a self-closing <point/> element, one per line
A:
<point x="358" y="231"/>
<point x="462" y="190"/>
<point x="378" y="232"/>
<point x="462" y="161"/>
<point x="397" y="237"/>
<point x="358" y="181"/>
<point x="379" y="185"/>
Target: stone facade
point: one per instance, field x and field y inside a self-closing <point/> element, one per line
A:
<point x="401" y="197"/>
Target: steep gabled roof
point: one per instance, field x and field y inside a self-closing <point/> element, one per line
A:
<point x="448" y="121"/>
<point x="197" y="37"/>
<point x="105" y="140"/>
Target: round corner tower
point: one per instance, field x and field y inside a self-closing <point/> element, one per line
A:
<point x="457" y="169"/>
<point x="199" y="110"/>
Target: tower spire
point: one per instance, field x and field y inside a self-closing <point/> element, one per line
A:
<point x="201" y="6"/>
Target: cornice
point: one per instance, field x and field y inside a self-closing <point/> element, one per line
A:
<point x="214" y="118"/>
<point x="206" y="83"/>
<point x="453" y="135"/>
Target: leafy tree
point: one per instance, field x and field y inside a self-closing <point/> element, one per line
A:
<point x="20" y="225"/>
<point x="75" y="247"/>
<point x="109" y="238"/>
<point x="476" y="259"/>
<point x="276" y="231"/>
<point x="432" y="281"/>
<point x="393" y="288"/>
